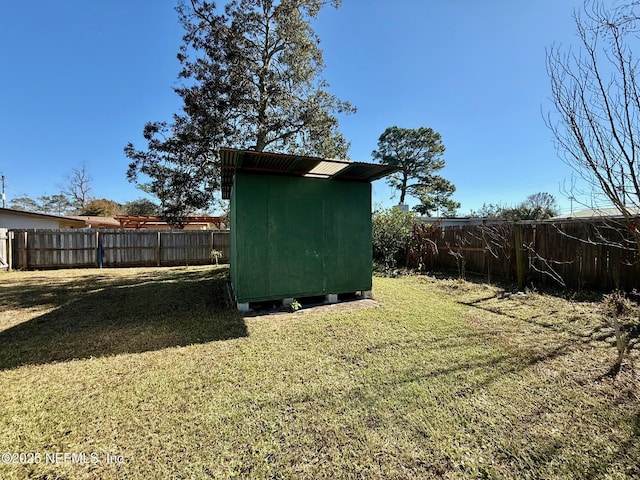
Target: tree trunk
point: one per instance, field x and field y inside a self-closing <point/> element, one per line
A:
<point x="403" y="189"/>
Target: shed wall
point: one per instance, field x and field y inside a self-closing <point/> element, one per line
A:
<point x="296" y="237"/>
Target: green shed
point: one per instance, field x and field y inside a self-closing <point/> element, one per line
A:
<point x="300" y="226"/>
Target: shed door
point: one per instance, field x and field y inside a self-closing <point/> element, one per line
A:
<point x="296" y="245"/>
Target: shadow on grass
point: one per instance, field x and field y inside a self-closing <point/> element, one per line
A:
<point x="538" y="320"/>
<point x="602" y="332"/>
<point x="101" y="315"/>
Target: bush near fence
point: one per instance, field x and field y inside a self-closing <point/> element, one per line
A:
<point x="41" y="249"/>
<point x="592" y="255"/>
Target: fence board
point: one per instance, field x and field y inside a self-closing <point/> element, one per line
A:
<point x="128" y="248"/>
<point x="190" y="247"/>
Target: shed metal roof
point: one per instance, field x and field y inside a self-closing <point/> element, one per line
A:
<point x="233" y="160"/>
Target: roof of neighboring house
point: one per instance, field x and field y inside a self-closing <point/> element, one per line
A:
<point x="295" y="165"/>
<point x="94" y="221"/>
<point x="453" y="221"/>
<point x="597" y="213"/>
<point x="80" y="223"/>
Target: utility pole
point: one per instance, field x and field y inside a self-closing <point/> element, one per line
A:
<point x="4" y="196"/>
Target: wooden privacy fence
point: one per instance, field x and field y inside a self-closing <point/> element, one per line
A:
<point x="34" y="249"/>
<point x="594" y="255"/>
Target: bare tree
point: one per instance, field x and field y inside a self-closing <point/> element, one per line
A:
<point x="78" y="187"/>
<point x="596" y="96"/>
<point x="596" y="122"/>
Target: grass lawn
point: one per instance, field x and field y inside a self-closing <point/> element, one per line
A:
<point x="149" y="374"/>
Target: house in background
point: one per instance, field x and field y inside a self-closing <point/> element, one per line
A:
<point x="96" y="222"/>
<point x="596" y="214"/>
<point x="203" y="222"/>
<point x="453" y="221"/>
<point x="18" y="219"/>
<point x="141" y="222"/>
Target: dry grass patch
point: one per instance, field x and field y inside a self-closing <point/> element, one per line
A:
<point x="442" y="380"/>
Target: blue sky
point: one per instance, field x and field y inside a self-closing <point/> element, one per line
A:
<point x="80" y="79"/>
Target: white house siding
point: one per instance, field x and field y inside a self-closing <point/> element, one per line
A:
<point x="13" y="219"/>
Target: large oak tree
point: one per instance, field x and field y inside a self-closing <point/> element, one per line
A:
<point x="251" y="78"/>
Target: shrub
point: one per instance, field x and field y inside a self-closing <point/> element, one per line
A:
<point x="215" y="255"/>
<point x="392" y="230"/>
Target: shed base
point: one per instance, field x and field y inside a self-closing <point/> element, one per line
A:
<point x="286" y="302"/>
<point x="332" y="298"/>
<point x="244" y="307"/>
<point x="283" y="304"/>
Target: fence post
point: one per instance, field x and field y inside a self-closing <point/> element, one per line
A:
<point x="24" y="260"/>
<point x="98" y="251"/>
<point x="213" y="247"/>
<point x="158" y="255"/>
<point x="517" y="231"/>
<point x="10" y="250"/>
